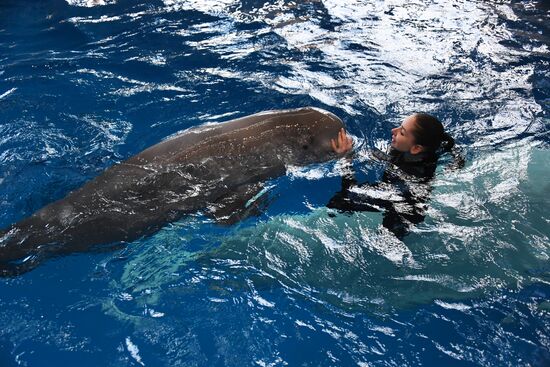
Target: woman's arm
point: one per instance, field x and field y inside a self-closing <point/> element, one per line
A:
<point x="343" y="145"/>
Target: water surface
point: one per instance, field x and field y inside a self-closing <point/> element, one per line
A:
<point x="85" y="84"/>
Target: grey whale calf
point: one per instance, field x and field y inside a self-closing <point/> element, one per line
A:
<point x="212" y="168"/>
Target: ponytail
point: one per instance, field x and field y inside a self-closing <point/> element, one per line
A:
<point x="448" y="145"/>
<point x="447" y="142"/>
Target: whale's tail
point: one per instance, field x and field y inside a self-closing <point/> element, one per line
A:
<point x="20" y="250"/>
<point x="19" y="267"/>
<point x="10" y="246"/>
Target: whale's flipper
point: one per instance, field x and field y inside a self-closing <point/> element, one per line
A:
<point x="245" y="201"/>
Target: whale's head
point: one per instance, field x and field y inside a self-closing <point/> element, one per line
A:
<point x="309" y="135"/>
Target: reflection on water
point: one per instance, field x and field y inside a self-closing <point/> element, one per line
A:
<point x="87" y="83"/>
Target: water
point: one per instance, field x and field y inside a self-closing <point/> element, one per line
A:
<point x="86" y="84"/>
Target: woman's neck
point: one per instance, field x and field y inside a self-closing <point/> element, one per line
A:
<point x="407" y="157"/>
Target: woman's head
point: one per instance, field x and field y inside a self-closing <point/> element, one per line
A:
<point x="420" y="133"/>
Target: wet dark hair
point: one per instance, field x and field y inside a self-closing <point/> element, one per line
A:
<point x="430" y="133"/>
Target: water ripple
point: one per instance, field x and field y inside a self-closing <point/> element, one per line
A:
<point x="87" y="83"/>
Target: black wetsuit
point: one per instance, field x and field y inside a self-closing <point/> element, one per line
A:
<point x="401" y="194"/>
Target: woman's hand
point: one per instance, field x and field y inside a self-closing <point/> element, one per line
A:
<point x="342" y="144"/>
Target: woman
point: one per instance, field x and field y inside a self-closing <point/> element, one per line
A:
<point x="405" y="186"/>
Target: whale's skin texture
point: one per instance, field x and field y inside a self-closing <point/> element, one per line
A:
<point x="211" y="168"/>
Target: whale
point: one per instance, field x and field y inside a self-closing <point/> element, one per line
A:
<point x="215" y="169"/>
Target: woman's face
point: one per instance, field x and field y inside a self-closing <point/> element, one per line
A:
<point x="402" y="138"/>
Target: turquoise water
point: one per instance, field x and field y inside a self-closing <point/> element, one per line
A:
<point x="84" y="85"/>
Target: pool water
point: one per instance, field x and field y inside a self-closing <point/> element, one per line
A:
<point x="85" y="84"/>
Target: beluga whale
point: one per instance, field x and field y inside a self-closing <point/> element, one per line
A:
<point x="215" y="169"/>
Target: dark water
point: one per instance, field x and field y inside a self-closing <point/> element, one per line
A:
<point x="84" y="85"/>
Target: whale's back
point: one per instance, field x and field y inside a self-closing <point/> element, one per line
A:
<point x="203" y="167"/>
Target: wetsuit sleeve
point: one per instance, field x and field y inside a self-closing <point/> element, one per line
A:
<point x="400" y="212"/>
<point x="348" y="178"/>
<point x="399" y="220"/>
<point x="344" y="200"/>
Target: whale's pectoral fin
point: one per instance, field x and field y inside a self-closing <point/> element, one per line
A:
<point x="243" y="202"/>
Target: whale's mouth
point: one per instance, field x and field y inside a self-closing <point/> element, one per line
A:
<point x="319" y="155"/>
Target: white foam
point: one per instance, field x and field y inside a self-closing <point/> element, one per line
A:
<point x="304" y="324"/>
<point x="263" y="302"/>
<point x="101" y="19"/>
<point x="3" y="95"/>
<point x="452" y="306"/>
<point x="89" y="3"/>
<point x="306" y="172"/>
<point x="155" y="314"/>
<point x="134" y="351"/>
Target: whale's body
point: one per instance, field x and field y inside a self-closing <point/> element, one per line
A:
<point x="211" y="168"/>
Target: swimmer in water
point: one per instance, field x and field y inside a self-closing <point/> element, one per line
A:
<point x="404" y="189"/>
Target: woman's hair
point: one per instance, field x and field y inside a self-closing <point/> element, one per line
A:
<point x="430" y="133"/>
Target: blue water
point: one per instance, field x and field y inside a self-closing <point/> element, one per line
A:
<point x="85" y="84"/>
